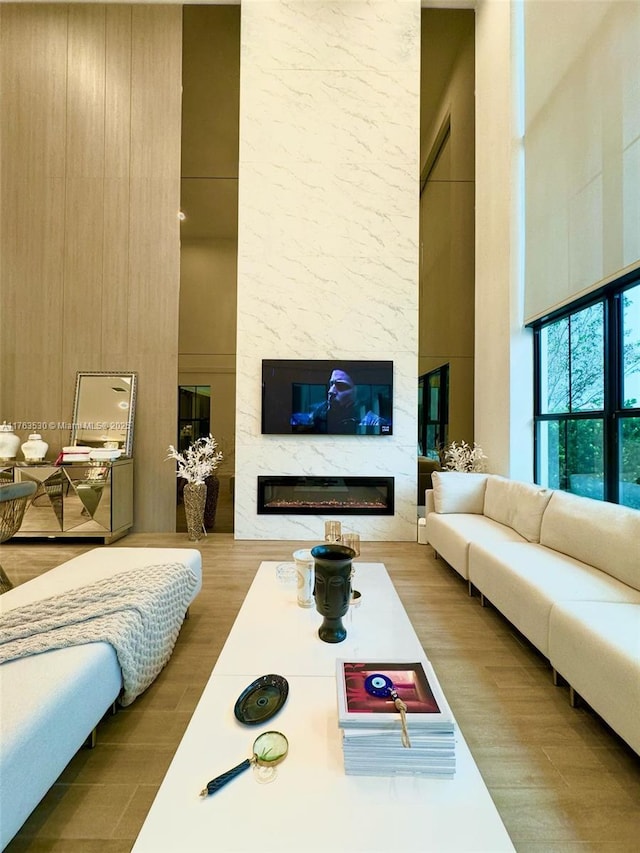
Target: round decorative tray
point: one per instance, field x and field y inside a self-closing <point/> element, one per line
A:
<point x="261" y="700"/>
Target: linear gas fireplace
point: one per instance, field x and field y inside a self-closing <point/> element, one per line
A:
<point x="318" y="495"/>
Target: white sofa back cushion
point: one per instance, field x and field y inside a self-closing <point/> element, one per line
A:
<point x="601" y="534"/>
<point x="457" y="491"/>
<point x="516" y="504"/>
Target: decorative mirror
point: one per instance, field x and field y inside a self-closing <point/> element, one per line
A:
<point x="103" y="410"/>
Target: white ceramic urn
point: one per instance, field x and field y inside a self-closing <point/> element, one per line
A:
<point x="9" y="442"/>
<point x="35" y="449"/>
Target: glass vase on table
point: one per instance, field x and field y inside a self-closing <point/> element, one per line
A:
<point x="352" y="540"/>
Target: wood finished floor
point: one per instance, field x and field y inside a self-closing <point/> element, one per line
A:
<point x="561" y="780"/>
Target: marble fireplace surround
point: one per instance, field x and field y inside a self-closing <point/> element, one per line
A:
<point x="335" y="495"/>
<point x="328" y="239"/>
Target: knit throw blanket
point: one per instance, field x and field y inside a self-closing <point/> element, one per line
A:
<point x="139" y="612"/>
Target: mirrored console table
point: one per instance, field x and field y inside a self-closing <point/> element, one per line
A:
<point x="75" y="499"/>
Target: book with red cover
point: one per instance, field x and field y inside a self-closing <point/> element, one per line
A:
<point x="415" y="683"/>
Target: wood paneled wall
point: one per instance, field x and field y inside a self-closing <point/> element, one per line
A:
<point x="90" y="99"/>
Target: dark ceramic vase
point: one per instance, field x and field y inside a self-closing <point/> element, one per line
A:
<point x="211" y="503"/>
<point x="332" y="588"/>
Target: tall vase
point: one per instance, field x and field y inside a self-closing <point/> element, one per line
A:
<point x="211" y="504"/>
<point x="332" y="588"/>
<point x="195" y="495"/>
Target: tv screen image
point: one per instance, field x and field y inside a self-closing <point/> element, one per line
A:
<point x="327" y="397"/>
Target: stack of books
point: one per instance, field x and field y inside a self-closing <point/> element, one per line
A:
<point x="372" y="727"/>
<point x="75" y="453"/>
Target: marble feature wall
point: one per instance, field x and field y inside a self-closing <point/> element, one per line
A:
<point x="328" y="236"/>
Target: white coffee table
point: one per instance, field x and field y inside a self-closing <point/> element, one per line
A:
<point x="272" y="633"/>
<point x="312" y="805"/>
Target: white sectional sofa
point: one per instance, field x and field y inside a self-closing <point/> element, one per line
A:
<point x="565" y="570"/>
<point x="50" y="703"/>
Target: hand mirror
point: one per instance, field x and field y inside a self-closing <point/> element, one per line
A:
<point x="269" y="749"/>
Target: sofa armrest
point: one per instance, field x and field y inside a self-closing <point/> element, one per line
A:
<point x="429" y="505"/>
<point x="426" y="467"/>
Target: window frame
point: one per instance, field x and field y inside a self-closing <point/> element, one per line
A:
<point x="424" y="408"/>
<point x="613" y="411"/>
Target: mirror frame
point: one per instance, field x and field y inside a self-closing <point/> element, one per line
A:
<point x="127" y="444"/>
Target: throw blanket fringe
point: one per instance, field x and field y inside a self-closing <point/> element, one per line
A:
<point x="139" y="612"/>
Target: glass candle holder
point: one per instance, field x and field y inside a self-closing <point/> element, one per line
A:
<point x="332" y="531"/>
<point x="351" y="540"/>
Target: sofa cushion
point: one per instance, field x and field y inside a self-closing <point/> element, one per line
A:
<point x="601" y="534"/>
<point x="595" y="645"/>
<point x="450" y="534"/>
<point x="523" y="581"/>
<point x="457" y="491"/>
<point x="95" y="564"/>
<point x="516" y="504"/>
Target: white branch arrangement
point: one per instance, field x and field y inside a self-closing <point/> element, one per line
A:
<point x="198" y="461"/>
<point x="463" y="457"/>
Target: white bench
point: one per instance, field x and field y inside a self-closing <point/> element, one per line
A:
<point x="50" y="703"/>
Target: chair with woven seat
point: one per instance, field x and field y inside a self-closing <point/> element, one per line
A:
<point x="14" y="498"/>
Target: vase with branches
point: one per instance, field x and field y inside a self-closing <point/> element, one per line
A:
<point x="462" y="457"/>
<point x="195" y="465"/>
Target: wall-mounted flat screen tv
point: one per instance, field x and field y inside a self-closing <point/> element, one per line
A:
<point x="337" y="397"/>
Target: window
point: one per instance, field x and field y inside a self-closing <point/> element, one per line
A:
<point x="194" y="405"/>
<point x="587" y="397"/>
<point x="433" y="411"/>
